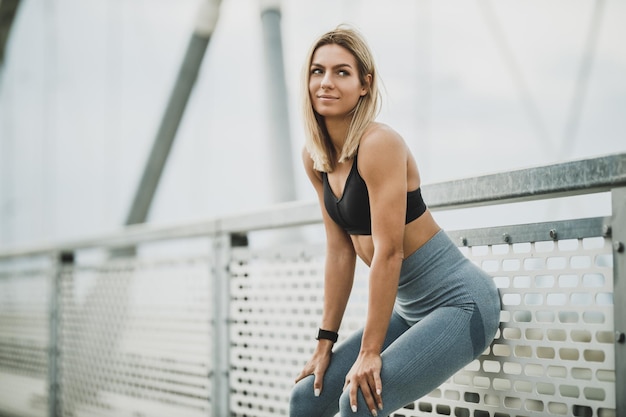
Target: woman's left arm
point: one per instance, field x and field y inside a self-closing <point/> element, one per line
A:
<point x="383" y="166"/>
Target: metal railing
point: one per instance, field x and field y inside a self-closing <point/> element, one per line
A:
<point x="195" y="321"/>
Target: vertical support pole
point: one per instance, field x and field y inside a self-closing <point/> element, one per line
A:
<point x="618" y="231"/>
<point x="220" y="396"/>
<point x="63" y="260"/>
<point x="222" y="247"/>
<point x="281" y="166"/>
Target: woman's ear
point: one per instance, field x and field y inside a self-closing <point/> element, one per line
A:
<point x="365" y="88"/>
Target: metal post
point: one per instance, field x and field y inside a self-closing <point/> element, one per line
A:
<point x="618" y="232"/>
<point x="63" y="260"/>
<point x="281" y="165"/>
<point x="174" y="111"/>
<point x="220" y="396"/>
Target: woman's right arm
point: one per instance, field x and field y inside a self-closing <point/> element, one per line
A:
<point x="338" y="279"/>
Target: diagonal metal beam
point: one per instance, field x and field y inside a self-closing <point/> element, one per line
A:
<point x="581" y="86"/>
<point x="527" y="100"/>
<point x="185" y="82"/>
<point x="8" y="10"/>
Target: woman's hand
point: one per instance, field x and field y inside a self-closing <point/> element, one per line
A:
<point x="365" y="374"/>
<point x="317" y="365"/>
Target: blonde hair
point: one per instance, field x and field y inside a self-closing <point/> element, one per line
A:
<point x="318" y="142"/>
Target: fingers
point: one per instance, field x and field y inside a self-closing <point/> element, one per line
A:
<point x="317" y="384"/>
<point x="378" y="383"/>
<point x="371" y="388"/>
<point x="302" y="375"/>
<point x="367" y="396"/>
<point x="367" y="390"/>
<point x="353" y="392"/>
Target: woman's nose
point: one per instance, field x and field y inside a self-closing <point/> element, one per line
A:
<point x="326" y="82"/>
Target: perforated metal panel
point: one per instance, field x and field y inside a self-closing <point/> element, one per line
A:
<point x="24" y="323"/>
<point x="552" y="356"/>
<point x="554" y="353"/>
<point x="135" y="339"/>
<point x="276" y="301"/>
<point x="24" y="337"/>
<point x="276" y="307"/>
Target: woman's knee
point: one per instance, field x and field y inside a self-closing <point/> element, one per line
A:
<point x="301" y="401"/>
<point x="345" y="408"/>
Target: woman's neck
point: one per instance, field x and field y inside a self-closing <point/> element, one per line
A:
<point x="337" y="131"/>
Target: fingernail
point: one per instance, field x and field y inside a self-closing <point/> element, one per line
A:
<point x="380" y="406"/>
<point x="378" y="391"/>
<point x="374" y="412"/>
<point x="317" y="392"/>
<point x="354" y="408"/>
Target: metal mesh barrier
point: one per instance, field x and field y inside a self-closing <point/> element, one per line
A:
<point x="24" y="336"/>
<point x="194" y="324"/>
<point x="553" y="354"/>
<point x="135" y="338"/>
<point x="276" y="306"/>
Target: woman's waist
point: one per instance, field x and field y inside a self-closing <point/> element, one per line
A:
<point x="419" y="232"/>
<point x="416" y="234"/>
<point x="438" y="256"/>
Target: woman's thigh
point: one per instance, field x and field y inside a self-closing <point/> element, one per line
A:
<point x="421" y="359"/>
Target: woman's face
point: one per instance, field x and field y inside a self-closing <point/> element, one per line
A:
<point x="334" y="84"/>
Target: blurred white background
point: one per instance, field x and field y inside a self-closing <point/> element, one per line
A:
<point x="474" y="87"/>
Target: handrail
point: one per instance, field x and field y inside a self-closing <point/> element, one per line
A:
<point x="579" y="177"/>
<point x="587" y="176"/>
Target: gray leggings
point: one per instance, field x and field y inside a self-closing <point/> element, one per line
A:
<point x="446" y="314"/>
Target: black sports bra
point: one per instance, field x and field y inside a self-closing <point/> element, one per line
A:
<point x="352" y="210"/>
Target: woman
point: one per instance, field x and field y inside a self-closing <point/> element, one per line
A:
<point x="430" y="310"/>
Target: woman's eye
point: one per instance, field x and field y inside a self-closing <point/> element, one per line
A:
<point x="343" y="73"/>
<point x="316" y="71"/>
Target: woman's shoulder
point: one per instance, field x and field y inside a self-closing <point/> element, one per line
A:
<point x="380" y="150"/>
<point x="381" y="137"/>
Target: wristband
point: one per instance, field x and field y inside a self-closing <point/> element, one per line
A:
<point x="327" y="334"/>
